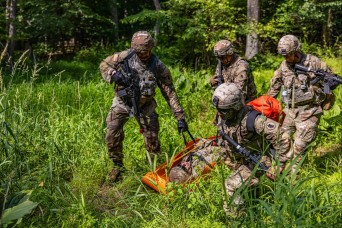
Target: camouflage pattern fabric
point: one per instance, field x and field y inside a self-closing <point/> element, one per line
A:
<point x="236" y="128"/>
<point x="142" y="41"/>
<point x="288" y="44"/>
<point x="223" y="47"/>
<point x="192" y="165"/>
<point x="242" y="175"/>
<point x="303" y="105"/>
<point x="147" y="79"/>
<point x="239" y="72"/>
<point x="118" y="116"/>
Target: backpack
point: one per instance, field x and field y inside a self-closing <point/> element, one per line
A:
<point x="266" y="105"/>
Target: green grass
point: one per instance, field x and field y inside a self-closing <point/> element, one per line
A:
<point x="52" y="142"/>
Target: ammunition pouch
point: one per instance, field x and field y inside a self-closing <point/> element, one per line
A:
<point x="147" y="84"/>
<point x="301" y="98"/>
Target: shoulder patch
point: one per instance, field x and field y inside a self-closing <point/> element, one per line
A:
<point x="270" y="126"/>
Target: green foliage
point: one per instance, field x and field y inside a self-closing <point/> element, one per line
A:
<point x="194" y="22"/>
<point x="297" y="17"/>
<point x="188" y="28"/>
<point x="16" y="211"/>
<point x="52" y="120"/>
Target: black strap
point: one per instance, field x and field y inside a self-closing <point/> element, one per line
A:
<point x="220" y="69"/>
<point x="190" y="160"/>
<point x="131" y="52"/>
<point x="192" y="138"/>
<point x="251" y="116"/>
<point x="152" y="65"/>
<point x="200" y="157"/>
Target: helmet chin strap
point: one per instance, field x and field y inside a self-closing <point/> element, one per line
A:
<point x="298" y="57"/>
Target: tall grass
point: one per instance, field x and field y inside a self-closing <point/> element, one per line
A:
<point x="52" y="142"/>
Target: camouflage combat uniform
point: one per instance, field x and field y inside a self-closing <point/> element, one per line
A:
<point x="264" y="129"/>
<point x="303" y="103"/>
<point x="147" y="76"/>
<point x="248" y="130"/>
<point x="192" y="165"/>
<point x="237" y="71"/>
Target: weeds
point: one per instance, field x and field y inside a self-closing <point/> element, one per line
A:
<point x="52" y="120"/>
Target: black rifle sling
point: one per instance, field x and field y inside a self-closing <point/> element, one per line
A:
<point x="220" y="77"/>
<point x="252" y="115"/>
<point x="135" y="99"/>
<point x="152" y="66"/>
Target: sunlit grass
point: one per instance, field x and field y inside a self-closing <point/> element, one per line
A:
<point x="52" y="142"/>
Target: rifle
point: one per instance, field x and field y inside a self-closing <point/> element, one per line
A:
<point x="130" y="94"/>
<point x="255" y="158"/>
<point x="220" y="79"/>
<point x="331" y="81"/>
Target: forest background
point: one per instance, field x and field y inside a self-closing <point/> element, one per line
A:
<point x="53" y="104"/>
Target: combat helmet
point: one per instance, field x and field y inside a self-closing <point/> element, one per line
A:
<point x="227" y="96"/>
<point x="142" y="41"/>
<point x="178" y="175"/>
<point x="223" y="48"/>
<point x="288" y="44"/>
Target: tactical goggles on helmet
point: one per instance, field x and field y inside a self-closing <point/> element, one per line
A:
<point x="285" y="53"/>
<point x="232" y="106"/>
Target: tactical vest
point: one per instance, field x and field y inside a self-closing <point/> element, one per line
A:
<point x="231" y="72"/>
<point x="144" y="75"/>
<point x="296" y="90"/>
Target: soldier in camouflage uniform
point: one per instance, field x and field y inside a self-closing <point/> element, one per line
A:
<point x="240" y="123"/>
<point x="205" y="154"/>
<point x="234" y="69"/>
<point x="304" y="101"/>
<point x="140" y="69"/>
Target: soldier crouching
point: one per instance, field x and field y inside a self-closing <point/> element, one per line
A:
<point x="249" y="129"/>
<point x="244" y="125"/>
<point x="205" y="154"/>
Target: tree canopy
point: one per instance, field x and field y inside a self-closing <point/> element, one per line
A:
<point x="187" y="31"/>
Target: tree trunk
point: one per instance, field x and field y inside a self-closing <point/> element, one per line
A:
<point x="11" y="28"/>
<point x="4" y="53"/>
<point x="157" y="25"/>
<point x="252" y="36"/>
<point x="115" y="18"/>
<point x="327" y="28"/>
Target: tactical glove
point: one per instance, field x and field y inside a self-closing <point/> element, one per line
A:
<point x="118" y="78"/>
<point x="182" y="126"/>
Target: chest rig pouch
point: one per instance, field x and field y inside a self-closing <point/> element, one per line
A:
<point x="147" y="79"/>
<point x="147" y="84"/>
<point x="297" y="90"/>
